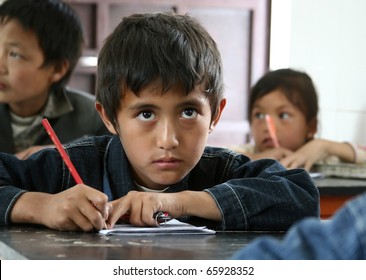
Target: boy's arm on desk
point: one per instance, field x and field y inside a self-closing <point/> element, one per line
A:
<point x="78" y="208"/>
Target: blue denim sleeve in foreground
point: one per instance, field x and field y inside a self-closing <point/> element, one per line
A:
<point x="342" y="237"/>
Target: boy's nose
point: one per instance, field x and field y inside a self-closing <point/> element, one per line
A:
<point x="167" y="135"/>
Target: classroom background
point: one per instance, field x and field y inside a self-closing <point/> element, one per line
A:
<point x="327" y="39"/>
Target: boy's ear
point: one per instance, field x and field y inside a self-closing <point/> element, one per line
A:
<point x="60" y="70"/>
<point x="217" y="116"/>
<point x="105" y="118"/>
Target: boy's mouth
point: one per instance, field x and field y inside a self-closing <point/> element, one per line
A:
<point x="167" y="162"/>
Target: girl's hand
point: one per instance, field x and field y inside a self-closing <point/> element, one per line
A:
<point x="275" y="153"/>
<point x="307" y="155"/>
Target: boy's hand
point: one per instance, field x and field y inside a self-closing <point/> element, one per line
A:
<point x="141" y="206"/>
<point x="78" y="208"/>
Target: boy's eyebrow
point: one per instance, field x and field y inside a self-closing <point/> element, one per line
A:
<point x="192" y="102"/>
<point x="142" y="106"/>
<point x="146" y="105"/>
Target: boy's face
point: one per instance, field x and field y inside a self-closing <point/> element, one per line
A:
<point x="163" y="135"/>
<point x="24" y="84"/>
<point x="291" y="127"/>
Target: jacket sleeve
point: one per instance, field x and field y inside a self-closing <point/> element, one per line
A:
<point x="45" y="171"/>
<point x="263" y="195"/>
<point x="19" y="176"/>
<point x="342" y="237"/>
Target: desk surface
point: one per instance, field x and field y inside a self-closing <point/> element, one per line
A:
<point x="32" y="242"/>
<point x="28" y="242"/>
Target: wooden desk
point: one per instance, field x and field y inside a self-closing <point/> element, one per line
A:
<point x="29" y="242"/>
<point x="334" y="192"/>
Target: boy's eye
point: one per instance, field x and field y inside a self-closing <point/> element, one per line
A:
<point x="189" y="113"/>
<point x="284" y="116"/>
<point x="146" y="116"/>
<point x="260" y="116"/>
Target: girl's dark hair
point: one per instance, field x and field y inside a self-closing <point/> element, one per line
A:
<point x="297" y="87"/>
<point x="165" y="47"/>
<point x="56" y="25"/>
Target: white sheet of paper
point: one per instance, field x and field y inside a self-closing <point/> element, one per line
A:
<point x="171" y="227"/>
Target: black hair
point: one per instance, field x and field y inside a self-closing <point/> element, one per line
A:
<point x="56" y="25"/>
<point x="165" y="47"/>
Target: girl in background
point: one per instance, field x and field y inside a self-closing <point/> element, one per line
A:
<point x="290" y="99"/>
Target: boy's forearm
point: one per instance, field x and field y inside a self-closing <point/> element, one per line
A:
<point x="200" y="204"/>
<point x="28" y="208"/>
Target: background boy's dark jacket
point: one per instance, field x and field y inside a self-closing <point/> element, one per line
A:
<point x="251" y="195"/>
<point x="82" y="121"/>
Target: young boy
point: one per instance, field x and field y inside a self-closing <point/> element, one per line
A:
<point x="40" y="44"/>
<point x="160" y="91"/>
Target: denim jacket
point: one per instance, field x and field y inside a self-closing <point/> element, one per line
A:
<point x="341" y="238"/>
<point x="251" y="195"/>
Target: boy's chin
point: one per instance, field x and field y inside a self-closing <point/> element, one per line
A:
<point x="162" y="183"/>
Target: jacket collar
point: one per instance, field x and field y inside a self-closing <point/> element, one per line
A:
<point x="118" y="169"/>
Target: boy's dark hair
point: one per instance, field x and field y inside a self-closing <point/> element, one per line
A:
<point x="56" y="26"/>
<point x="297" y="87"/>
<point x="173" y="49"/>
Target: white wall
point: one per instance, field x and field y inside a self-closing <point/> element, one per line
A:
<point x="327" y="39"/>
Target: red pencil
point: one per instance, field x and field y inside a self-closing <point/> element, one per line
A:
<point x="62" y="152"/>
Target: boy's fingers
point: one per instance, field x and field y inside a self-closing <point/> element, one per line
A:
<point x="92" y="215"/>
<point x="117" y="211"/>
<point x="84" y="224"/>
<point x="108" y="210"/>
<point x="100" y="201"/>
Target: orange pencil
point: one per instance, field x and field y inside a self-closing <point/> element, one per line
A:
<point x="272" y="130"/>
<point x="62" y="152"/>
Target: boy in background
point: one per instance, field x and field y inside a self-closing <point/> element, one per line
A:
<point x="160" y="92"/>
<point x="40" y="44"/>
